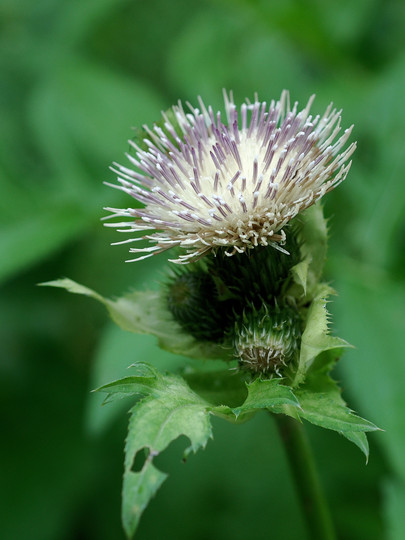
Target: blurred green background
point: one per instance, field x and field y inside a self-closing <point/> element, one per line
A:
<point x="75" y="76"/>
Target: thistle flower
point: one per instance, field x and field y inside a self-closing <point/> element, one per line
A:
<point x="207" y="184"/>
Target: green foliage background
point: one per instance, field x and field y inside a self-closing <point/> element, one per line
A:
<point x="75" y="77"/>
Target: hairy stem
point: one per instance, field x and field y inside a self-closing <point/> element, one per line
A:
<point x="307" y="484"/>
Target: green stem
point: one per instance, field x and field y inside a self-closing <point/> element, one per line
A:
<point x="313" y="502"/>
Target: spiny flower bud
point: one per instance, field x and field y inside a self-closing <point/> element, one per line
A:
<point x="267" y="340"/>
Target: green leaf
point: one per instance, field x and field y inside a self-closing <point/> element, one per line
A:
<point x="228" y="388"/>
<point x="315" y="338"/>
<point x="324" y="410"/>
<point x="138" y="489"/>
<point x="130" y="386"/>
<point x="155" y="422"/>
<point x="322" y="403"/>
<point x="266" y="394"/>
<point x="313" y="236"/>
<point x="73" y="287"/>
<point x="145" y="312"/>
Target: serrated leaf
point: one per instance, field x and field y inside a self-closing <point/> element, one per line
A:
<point x="324" y="411"/>
<point x="262" y="394"/>
<point x="146" y="382"/>
<point x="154" y="423"/>
<point x="315" y="338"/>
<point x="322" y="404"/>
<point x="129" y="386"/>
<point x="266" y="394"/>
<point x="145" y="312"/>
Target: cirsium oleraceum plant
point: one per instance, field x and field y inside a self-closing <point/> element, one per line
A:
<point x="236" y="198"/>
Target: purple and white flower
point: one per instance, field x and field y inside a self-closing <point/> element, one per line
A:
<point x="233" y="184"/>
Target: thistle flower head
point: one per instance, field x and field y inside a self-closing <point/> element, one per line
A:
<point x="233" y="184"/>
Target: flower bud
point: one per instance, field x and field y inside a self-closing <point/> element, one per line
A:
<point x="267" y="340"/>
<point x="193" y="300"/>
